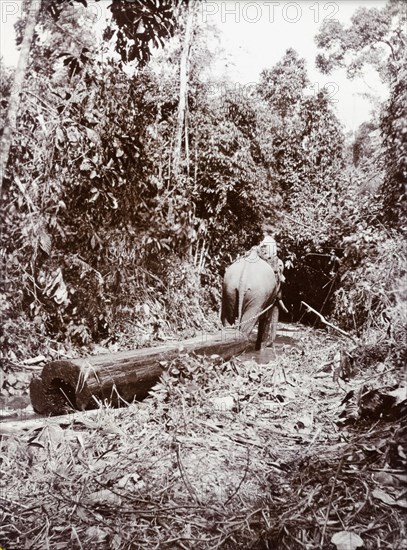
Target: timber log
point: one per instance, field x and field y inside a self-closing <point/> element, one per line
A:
<point x="118" y="378"/>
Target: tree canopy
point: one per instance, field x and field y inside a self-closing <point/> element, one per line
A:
<point x="375" y="37"/>
<point x="97" y="224"/>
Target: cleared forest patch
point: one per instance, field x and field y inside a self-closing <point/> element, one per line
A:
<point x="222" y="455"/>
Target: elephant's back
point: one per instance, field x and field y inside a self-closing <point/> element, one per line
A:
<point x="261" y="276"/>
<point x="256" y="274"/>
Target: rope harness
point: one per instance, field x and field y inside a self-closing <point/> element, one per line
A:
<point x="257" y="315"/>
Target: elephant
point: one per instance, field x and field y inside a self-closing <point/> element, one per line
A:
<point x="250" y="286"/>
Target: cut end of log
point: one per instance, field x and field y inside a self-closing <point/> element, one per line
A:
<point x="56" y="391"/>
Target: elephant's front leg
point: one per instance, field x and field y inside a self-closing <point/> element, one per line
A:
<point x="273" y="324"/>
<point x="270" y="326"/>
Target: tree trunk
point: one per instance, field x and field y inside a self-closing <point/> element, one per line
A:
<point x="119" y="378"/>
<point x="183" y="89"/>
<point x="33" y="10"/>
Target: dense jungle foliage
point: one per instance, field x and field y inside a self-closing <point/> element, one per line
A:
<point x="103" y="243"/>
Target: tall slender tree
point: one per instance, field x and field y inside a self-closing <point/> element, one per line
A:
<point x="33" y="12"/>
<point x="183" y="88"/>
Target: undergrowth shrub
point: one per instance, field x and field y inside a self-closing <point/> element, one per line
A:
<point x="372" y="271"/>
<point x="372" y="296"/>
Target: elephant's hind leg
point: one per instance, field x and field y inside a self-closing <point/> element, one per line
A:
<point x="229" y="306"/>
<point x="247" y="324"/>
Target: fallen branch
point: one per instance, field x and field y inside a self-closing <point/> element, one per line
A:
<point x="309" y="308"/>
<point x="10" y="427"/>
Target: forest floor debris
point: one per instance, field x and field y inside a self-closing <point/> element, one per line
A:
<point x="222" y="455"/>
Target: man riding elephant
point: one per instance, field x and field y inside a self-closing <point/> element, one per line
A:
<point x="267" y="250"/>
<point x="249" y="297"/>
<point x="251" y="292"/>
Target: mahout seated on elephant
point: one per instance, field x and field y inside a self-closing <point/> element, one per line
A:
<point x="267" y="250"/>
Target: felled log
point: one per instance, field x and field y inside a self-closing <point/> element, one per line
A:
<point x="120" y="377"/>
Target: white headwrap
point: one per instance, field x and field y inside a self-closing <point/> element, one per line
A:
<point x="270" y="244"/>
